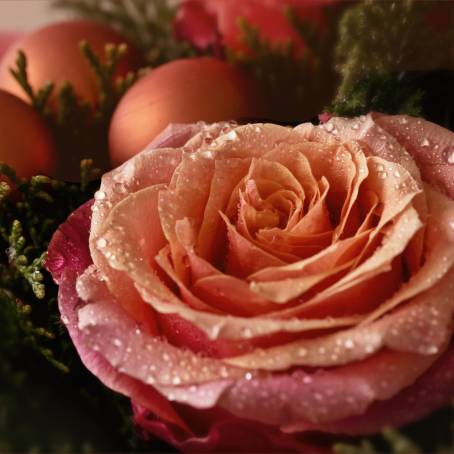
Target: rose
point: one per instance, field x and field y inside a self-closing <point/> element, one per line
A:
<point x="245" y="284"/>
<point x="212" y="22"/>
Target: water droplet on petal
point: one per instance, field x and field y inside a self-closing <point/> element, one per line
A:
<point x="100" y="195"/>
<point x="117" y="342"/>
<point x="448" y="155"/>
<point x="349" y="344"/>
<point x="232" y="135"/>
<point x="101" y="243"/>
<point x="119" y="188"/>
<point x="329" y="126"/>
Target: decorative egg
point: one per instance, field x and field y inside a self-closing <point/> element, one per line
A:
<point x="25" y="142"/>
<point x="53" y="54"/>
<point x="183" y="91"/>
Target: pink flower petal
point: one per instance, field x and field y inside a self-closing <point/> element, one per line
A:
<point x="431" y="146"/>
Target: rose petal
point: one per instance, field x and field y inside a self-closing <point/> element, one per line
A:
<point x="422" y="326"/>
<point x="431" y="391"/>
<point x="431" y="146"/>
<point x="406" y="225"/>
<point x="68" y="248"/>
<point x="228" y="434"/>
<point x="439" y="252"/>
<point x="68" y="257"/>
<point x="327" y="394"/>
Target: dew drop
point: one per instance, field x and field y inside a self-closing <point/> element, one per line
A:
<point x="232" y="135"/>
<point x="355" y="126"/>
<point x="101" y="243"/>
<point x="382" y="175"/>
<point x="329" y="126"/>
<point x="117" y="342"/>
<point x="248" y="376"/>
<point x="403" y="121"/>
<point x="349" y="344"/>
<point x="100" y="195"/>
<point x="65" y="319"/>
<point x="425" y="143"/>
<point x="397" y="174"/>
<point x="449" y="155"/>
<point x="119" y="188"/>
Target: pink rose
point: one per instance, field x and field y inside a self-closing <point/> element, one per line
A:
<point x="246" y="284"/>
<point x="212" y="22"/>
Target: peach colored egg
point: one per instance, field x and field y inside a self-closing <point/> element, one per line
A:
<point x="183" y="91"/>
<point x="25" y="142"/>
<point x="53" y="54"/>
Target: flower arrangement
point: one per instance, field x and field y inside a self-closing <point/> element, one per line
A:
<point x="246" y="286"/>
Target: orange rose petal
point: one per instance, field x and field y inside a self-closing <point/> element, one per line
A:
<point x="348" y="208"/>
<point x="351" y="300"/>
<point x="262" y="169"/>
<point x="244" y="257"/>
<point x="404" y="228"/>
<point x="380" y="143"/>
<point x="149" y="241"/>
<point x="148" y="168"/>
<point x="301" y="247"/>
<point x="164" y="262"/>
<point x="342" y="251"/>
<point x="316" y="220"/>
<point x="227" y="174"/>
<point x="423" y="326"/>
<point x="231" y="295"/>
<point x="439" y="257"/>
<point x="284" y="290"/>
<point x="368" y="129"/>
<point x="293" y="159"/>
<point x="185" y="200"/>
<point x="368" y="202"/>
<point x="243" y="229"/>
<point x="431" y="146"/>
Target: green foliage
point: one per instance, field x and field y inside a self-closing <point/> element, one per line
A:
<point x="147" y="24"/>
<point x="388" y="93"/>
<point x="406" y="67"/>
<point x="388" y="37"/>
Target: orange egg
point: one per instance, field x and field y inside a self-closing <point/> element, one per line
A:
<point x="53" y="54"/>
<point x="25" y="142"/>
<point x="183" y="91"/>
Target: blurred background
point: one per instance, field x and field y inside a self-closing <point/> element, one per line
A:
<point x="21" y="15"/>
